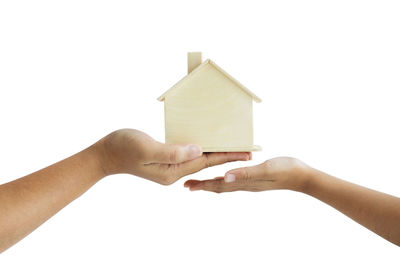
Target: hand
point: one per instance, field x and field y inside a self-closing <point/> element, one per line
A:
<point x="134" y="152"/>
<point x="276" y="173"/>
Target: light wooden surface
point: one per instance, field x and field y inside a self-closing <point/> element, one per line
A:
<point x="254" y="148"/>
<point x="194" y="60"/>
<point x="208" y="108"/>
<point x="222" y="71"/>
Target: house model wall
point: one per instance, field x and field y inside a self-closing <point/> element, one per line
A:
<point x="210" y="108"/>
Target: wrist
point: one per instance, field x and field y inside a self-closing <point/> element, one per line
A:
<point x="100" y="157"/>
<point x="300" y="176"/>
<point x="308" y="178"/>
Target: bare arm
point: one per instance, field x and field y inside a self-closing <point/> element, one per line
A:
<point x="28" y="202"/>
<point x="376" y="211"/>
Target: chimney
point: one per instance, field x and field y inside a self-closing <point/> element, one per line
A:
<point x="194" y="60"/>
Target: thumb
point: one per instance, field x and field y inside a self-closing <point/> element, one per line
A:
<point x="245" y="173"/>
<point x="166" y="153"/>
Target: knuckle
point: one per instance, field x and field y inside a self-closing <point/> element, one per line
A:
<point x="216" y="187"/>
<point x="206" y="161"/>
<point x="246" y="173"/>
<point x="173" y="156"/>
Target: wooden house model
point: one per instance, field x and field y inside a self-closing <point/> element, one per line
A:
<point x="210" y="108"/>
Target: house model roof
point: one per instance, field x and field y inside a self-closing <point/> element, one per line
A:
<point x="198" y="70"/>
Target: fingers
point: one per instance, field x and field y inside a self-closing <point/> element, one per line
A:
<point x="250" y="173"/>
<point x="212" y="159"/>
<point x="173" y="154"/>
<point x="167" y="173"/>
<point x="217" y="185"/>
<point x="251" y="178"/>
<point x="208" y="160"/>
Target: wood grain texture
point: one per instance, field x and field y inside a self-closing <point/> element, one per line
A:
<point x="199" y="69"/>
<point x="194" y="60"/>
<point x="210" y="110"/>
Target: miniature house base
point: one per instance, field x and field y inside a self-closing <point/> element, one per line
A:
<point x="254" y="148"/>
<point x="209" y="108"/>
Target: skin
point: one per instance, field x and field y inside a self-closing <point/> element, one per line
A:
<point x="28" y="202"/>
<point x="377" y="211"/>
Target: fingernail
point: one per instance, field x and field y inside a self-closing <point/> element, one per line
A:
<point x="194" y="151"/>
<point x="229" y="178"/>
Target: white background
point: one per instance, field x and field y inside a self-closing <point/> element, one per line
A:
<point x="327" y="71"/>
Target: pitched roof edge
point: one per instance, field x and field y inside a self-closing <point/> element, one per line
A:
<point x="162" y="97"/>
<point x="209" y="61"/>
<point x="245" y="89"/>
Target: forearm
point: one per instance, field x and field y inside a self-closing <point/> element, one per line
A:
<point x="376" y="211"/>
<point x="29" y="201"/>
